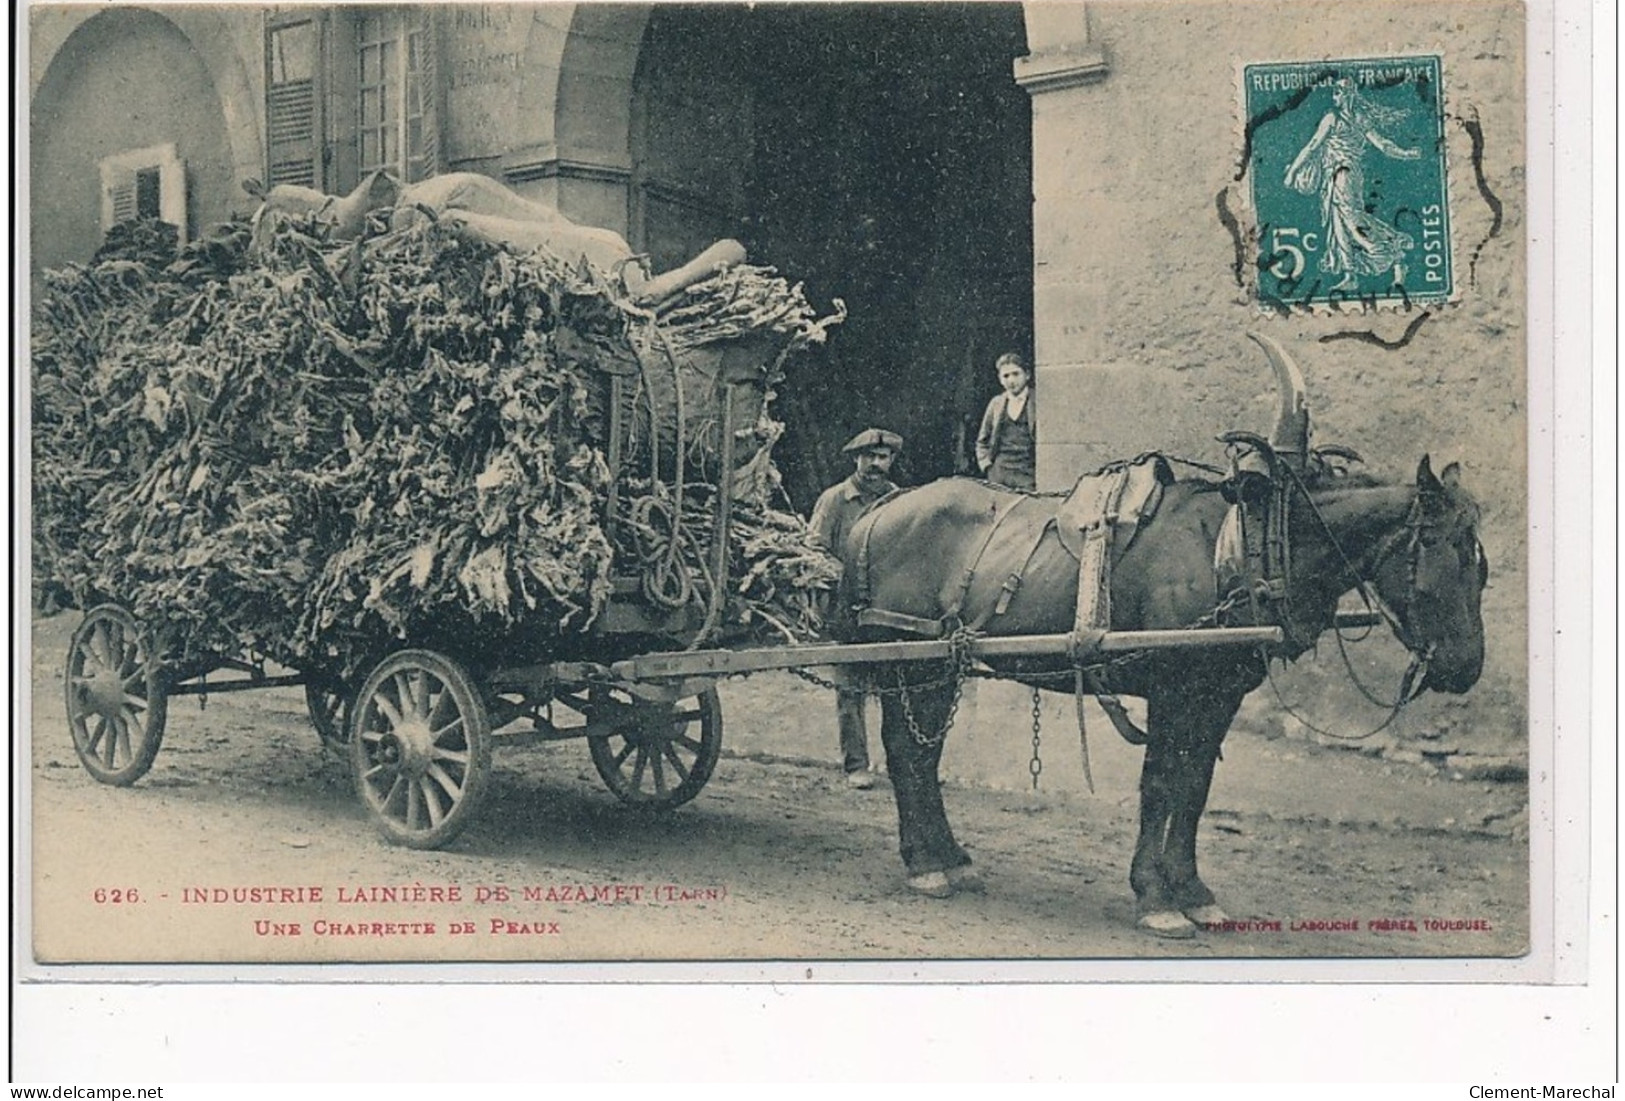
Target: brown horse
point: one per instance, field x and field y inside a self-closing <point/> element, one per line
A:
<point x="1415" y="548"/>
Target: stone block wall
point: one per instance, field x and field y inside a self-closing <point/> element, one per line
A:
<point x="1140" y="318"/>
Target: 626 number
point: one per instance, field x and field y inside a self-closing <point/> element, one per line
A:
<point x="116" y="895"/>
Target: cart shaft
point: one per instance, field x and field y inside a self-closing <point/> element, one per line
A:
<point x="725" y="662"/>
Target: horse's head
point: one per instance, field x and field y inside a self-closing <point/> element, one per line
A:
<point x="1432" y="577"/>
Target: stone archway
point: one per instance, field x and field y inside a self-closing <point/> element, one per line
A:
<point x="200" y="49"/>
<point x="574" y="110"/>
<point x="124" y="78"/>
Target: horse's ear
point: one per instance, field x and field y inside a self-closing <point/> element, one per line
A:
<point x="254" y="188"/>
<point x="1425" y="481"/>
<point x="1451" y="475"/>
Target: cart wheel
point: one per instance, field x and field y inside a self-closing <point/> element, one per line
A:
<point x="656" y="755"/>
<point x="330" y="706"/>
<point x="420" y="748"/>
<point x="115" y="696"/>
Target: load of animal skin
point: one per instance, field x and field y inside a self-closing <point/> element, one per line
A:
<point x="318" y="451"/>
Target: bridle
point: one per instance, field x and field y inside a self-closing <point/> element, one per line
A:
<point x="1409" y="539"/>
<point x="1410" y="685"/>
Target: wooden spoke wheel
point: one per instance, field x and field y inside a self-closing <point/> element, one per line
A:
<point x="115" y="696"/>
<point x="330" y="707"/>
<point x="654" y="754"/>
<point x="420" y="748"/>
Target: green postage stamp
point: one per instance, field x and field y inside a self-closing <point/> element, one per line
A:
<point x="1347" y="162"/>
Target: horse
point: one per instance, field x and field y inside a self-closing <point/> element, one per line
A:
<point x="942" y="554"/>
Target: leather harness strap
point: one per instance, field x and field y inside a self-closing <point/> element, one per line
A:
<point x="1093" y="614"/>
<point x="936" y="628"/>
<point x="861" y="592"/>
<point x="866" y="522"/>
<point x="1011" y="583"/>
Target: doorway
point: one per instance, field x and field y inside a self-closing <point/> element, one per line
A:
<point x="880" y="154"/>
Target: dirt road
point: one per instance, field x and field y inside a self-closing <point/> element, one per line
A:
<point x="246" y="843"/>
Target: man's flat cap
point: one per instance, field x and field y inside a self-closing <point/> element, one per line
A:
<point x="871" y="438"/>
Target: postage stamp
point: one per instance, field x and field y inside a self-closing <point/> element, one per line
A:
<point x="1347" y="162"/>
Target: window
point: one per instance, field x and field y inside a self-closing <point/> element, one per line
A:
<point x="391" y="51"/>
<point x="145" y="183"/>
<point x="351" y="90"/>
<point x="149" y="190"/>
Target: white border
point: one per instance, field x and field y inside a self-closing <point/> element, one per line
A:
<point x="1502" y="1035"/>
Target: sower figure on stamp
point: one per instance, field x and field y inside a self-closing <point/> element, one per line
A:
<point x="873" y="451"/>
<point x="1358" y="243"/>
<point x="1005" y="446"/>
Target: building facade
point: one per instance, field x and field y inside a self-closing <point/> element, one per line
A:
<point x="1063" y="179"/>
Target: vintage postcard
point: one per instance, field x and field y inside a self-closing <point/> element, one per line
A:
<point x="581" y="484"/>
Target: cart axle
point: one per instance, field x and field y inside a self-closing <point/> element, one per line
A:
<point x="236" y="684"/>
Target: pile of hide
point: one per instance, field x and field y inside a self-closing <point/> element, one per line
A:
<point x="317" y="452"/>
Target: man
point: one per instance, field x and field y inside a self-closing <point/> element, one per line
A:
<point x="873" y="451"/>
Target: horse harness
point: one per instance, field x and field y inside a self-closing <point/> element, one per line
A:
<point x="1094" y="524"/>
<point x="1252" y="562"/>
<point x="1101" y="514"/>
<point x="1098" y="521"/>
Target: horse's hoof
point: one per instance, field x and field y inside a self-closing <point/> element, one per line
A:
<point x="931" y="885"/>
<point x="966" y="877"/>
<point x="1211" y="914"/>
<point x="1167" y="923"/>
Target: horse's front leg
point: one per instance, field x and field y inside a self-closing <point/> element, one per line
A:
<point x="1153" y="900"/>
<point x="1205" y="731"/>
<point x="1186" y="730"/>
<point x="912" y="729"/>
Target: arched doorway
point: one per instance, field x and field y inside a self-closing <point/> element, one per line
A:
<point x="125" y="79"/>
<point x="882" y="155"/>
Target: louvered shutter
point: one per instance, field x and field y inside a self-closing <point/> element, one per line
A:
<point x="118" y="194"/>
<point x="293" y="99"/>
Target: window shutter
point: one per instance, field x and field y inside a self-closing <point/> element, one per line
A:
<point x="434" y="159"/>
<point x="118" y="195"/>
<point x="293" y="99"/>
